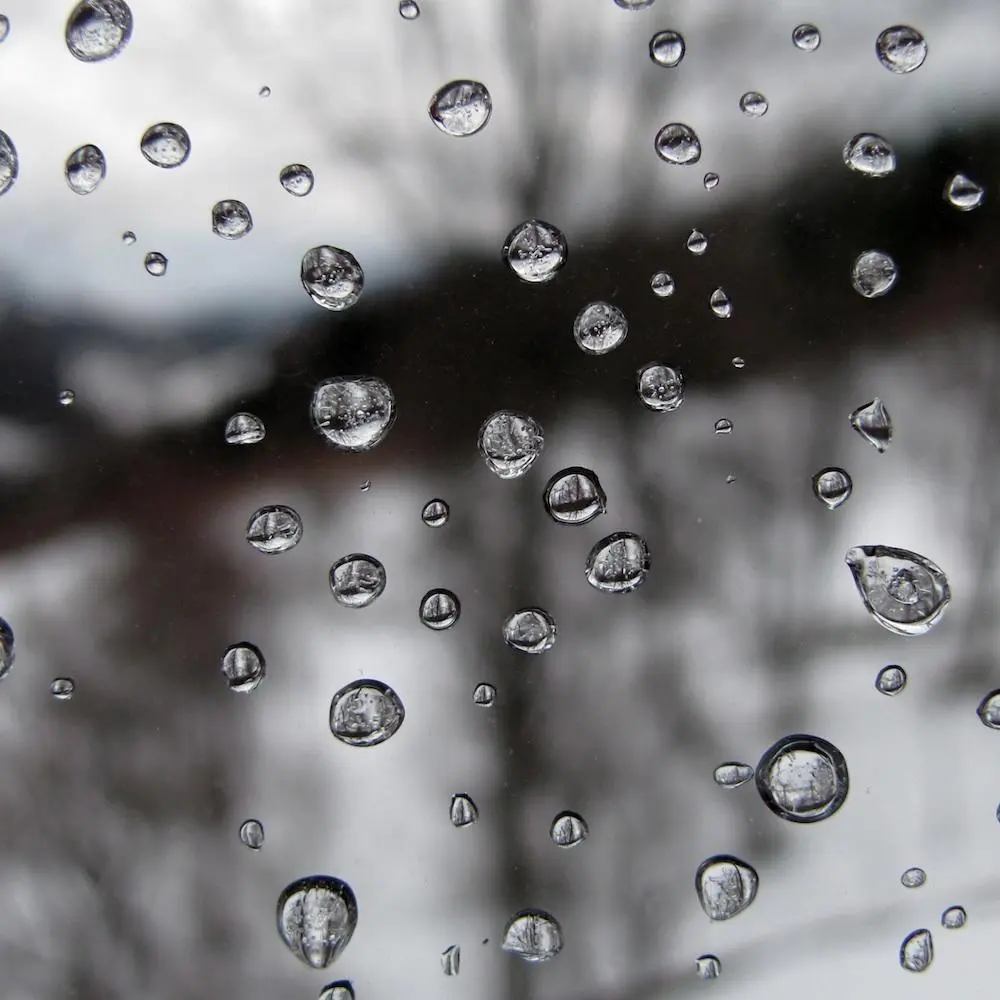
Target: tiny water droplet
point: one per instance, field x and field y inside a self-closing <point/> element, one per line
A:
<point x="870" y="154"/>
<point x="366" y="485"/>
<point x="8" y="162"/>
<point x="600" y="327"/>
<point x="85" y="169"/>
<point x="484" y="696"/>
<point x="409" y="10"/>
<point x="530" y="630"/>
<point x="62" y="688"/>
<point x="532" y="935"/>
<point x="618" y="563"/>
<point x="264" y="91"/>
<point x="711" y="181"/>
<point x="6" y="648"/>
<point x="707" y="967"/>
<point x="252" y="834"/>
<point x="721" y="304"/>
<point x="873" y="423"/>
<point x="67" y="397"/>
<point x="634" y="4"/>
<point x="873" y="274"/>
<point x="128" y="237"/>
<point x="435" y="513"/>
<point x="732" y="774"/>
<point x="244" y="667"/>
<point x="4" y="27"/>
<point x="535" y="251"/>
<point x="832" y="487"/>
<point x="451" y="959"/>
<point x="890" y="680"/>
<point x="725" y="885"/>
<point x="954" y="918"/>
<point x="731" y="478"/>
<point x="231" y="219"/>
<point x="439" y="609"/>
<point x="274" y="529"/>
<point x="806" y="37"/>
<point x="155" y="264"/>
<point x="660" y="387"/>
<point x="739" y="363"/>
<point x="365" y="713"/>
<point x="297" y="179"/>
<point x="569" y="829"/>
<point x="989" y="714"/>
<point x="917" y="950"/>
<point x="353" y="414"/>
<point x="316" y="918"/>
<point x="753" y="104"/>
<point x="963" y="193"/>
<point x="723" y="426"/>
<point x="98" y="29"/>
<point x="913" y="878"/>
<point x="666" y="48"/>
<point x="574" y="496"/>
<point x="662" y="284"/>
<point x="244" y="428"/>
<point x="510" y="442"/>
<point x="166" y="145"/>
<point x="461" y="108"/>
<point x="342" y="989"/>
<point x="803" y="778"/>
<point x="463" y="811"/>
<point x="697" y="242"/>
<point x="332" y="277"/>
<point x="357" y="580"/>
<point x="901" y="49"/>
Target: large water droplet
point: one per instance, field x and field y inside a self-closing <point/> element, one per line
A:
<point x="342" y="989"/>
<point x="231" y="219"/>
<point x="600" y="327"/>
<point x="569" y="829"/>
<point x="332" y="277"/>
<point x="707" y="967"/>
<point x="904" y="592"/>
<point x="721" y="304"/>
<point x="535" y="251"/>
<point x="409" y="10"/>
<point x="4" y="27"/>
<point x="662" y="284"/>
<point x="463" y="811"/>
<point x="244" y="667"/>
<point x="6" y="648"/>
<point x="574" y="496"/>
<point x="725" y="885"/>
<point x="297" y="179"/>
<point x="890" y="680"/>
<point x="435" y="513"/>
<point x="803" y="778"/>
<point x="62" y="688"/>
<point x="901" y="49"/>
<point x="357" y="580"/>
<point x="874" y="273"/>
<point x="316" y="918"/>
<point x="913" y="878"/>
<point x="666" y="48"/>
<point x="155" y="264"/>
<point x="697" y="242"/>
<point x="678" y="143"/>
<point x="510" y="442"/>
<point x="252" y="834"/>
<point x="953" y="918"/>
<point x="98" y="29"/>
<point x="461" y="107"/>
<point x="753" y="104"/>
<point x="165" y="144"/>
<point x="989" y="714"/>
<point x="530" y="630"/>
<point x="870" y="154"/>
<point x="873" y="423"/>
<point x="365" y="713"/>
<point x="484" y="695"/>
<point x="917" y="950"/>
<point x="618" y="563"/>
<point x="274" y="529"/>
<point x="451" y="959"/>
<point x="732" y="774"/>
<point x="8" y="162"/>
<point x="85" y="169"/>
<point x="660" y="387"/>
<point x="806" y="37"/>
<point x="533" y="935"/>
<point x="439" y="609"/>
<point x="963" y="193"/>
<point x="244" y="428"/>
<point x="354" y="414"/>
<point x="832" y="487"/>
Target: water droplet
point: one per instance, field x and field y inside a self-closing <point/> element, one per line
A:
<point x="697" y="242"/>
<point x="67" y="397"/>
<point x="732" y="774"/>
<point x="873" y="423"/>
<point x="574" y="496"/>
<point x="409" y="10"/>
<point x="711" y="181"/>
<point x="662" y="284"/>
<point x="530" y="630"/>
<point x="953" y="918"/>
<point x="870" y="154"/>
<point x="365" y="713"/>
<point x="62" y="688"/>
<point x="274" y="529"/>
<point x="353" y="414"/>
<point x="297" y="179"/>
<point x="569" y="829"/>
<point x="244" y="667"/>
<point x="535" y="251"/>
<point x="707" y="967"/>
<point x="634" y="4"/>
<point x="533" y="935"/>
<point x="618" y="563"/>
<point x="342" y="989"/>
<point x="366" y="485"/>
<point x="666" y="48"/>
<point x="963" y="193"/>
<point x="806" y="37"/>
<point x="723" y="426"/>
<point x="510" y="442"/>
<point x="725" y="885"/>
<point x="231" y="219"/>
<point x="451" y="959"/>
<point x="252" y="834"/>
<point x="905" y="593"/>
<point x="832" y="486"/>
<point x="8" y="162"/>
<point x="155" y="264"/>
<point x="731" y="478"/>
<point x="890" y="680"/>
<point x="721" y="304"/>
<point x="316" y="918"/>
<point x="98" y="29"/>
<point x="803" y="778"/>
<point x="435" y="513"/>
<point x="739" y="363"/>
<point x="678" y="144"/>
<point x="913" y="878"/>
<point x="128" y="237"/>
<point x="873" y="274"/>
<point x="901" y="49"/>
<point x="600" y="327"/>
<point x="460" y="108"/>
<point x="332" y="277"/>
<point x="463" y="811"/>
<point x="166" y="145"/>
<point x="753" y="104"/>
<point x="4" y="27"/>
<point x="917" y="950"/>
<point x="989" y="714"/>
<point x="484" y="696"/>
<point x="6" y="648"/>
<point x="660" y="387"/>
<point x="85" y="169"/>
<point x="244" y="428"/>
<point x="439" y="609"/>
<point x="357" y="580"/>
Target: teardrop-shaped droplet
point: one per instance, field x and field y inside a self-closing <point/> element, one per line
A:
<point x="461" y="108"/>
<point x="954" y="918"/>
<point x="8" y="162"/>
<point x="484" y="695"/>
<point x="803" y="778"/>
<point x="870" y="154"/>
<point x="678" y="144"/>
<point x="901" y="49"/>
<point x="753" y="104"/>
<point x="435" y="513"/>
<point x="873" y="423"/>
<point x="6" y="648"/>
<point x="917" y="950"/>
<point x="963" y="193"/>
<point x="732" y="774"/>
<point x="231" y="219"/>
<point x="666" y="48"/>
<point x="342" y="989"/>
<point x="252" y="834"/>
<point x="725" y="885"/>
<point x="274" y="529"/>
<point x="155" y="263"/>
<point x="530" y="630"/>
<point x="707" y="967"/>
<point x="660" y="387"/>
<point x="874" y="273"/>
<point x="353" y="414"/>
<point x="463" y="811"/>
<point x="85" y="169"/>
<point x="409" y="10"/>
<point x="357" y="580"/>
<point x="832" y="487"/>
<point x="62" y="688"/>
<point x="662" y="284"/>
<point x="721" y="304"/>
<point x="332" y="277"/>
<point x="618" y="563"/>
<point x="806" y="37"/>
<point x="98" y="29"/>
<point x="316" y="918"/>
<point x="365" y="713"/>
<point x="600" y="327"/>
<point x="439" y="609"/>
<point x="989" y="714"/>
<point x="451" y="959"/>
<point x="510" y="442"/>
<point x="244" y="428"/>
<point x="890" y="680"/>
<point x="535" y="251"/>
<point x="569" y="829"/>
<point x="574" y="496"/>
<point x="710" y="181"/>
<point x="904" y="592"/>
<point x="297" y="179"/>
<point x="913" y="878"/>
<point x="165" y="144"/>
<point x="533" y="935"/>
<point x="244" y="667"/>
<point x="697" y="242"/>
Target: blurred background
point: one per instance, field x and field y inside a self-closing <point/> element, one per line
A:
<point x="124" y="563"/>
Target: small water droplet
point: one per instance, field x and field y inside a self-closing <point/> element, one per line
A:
<point x="574" y="496"/>
<point x="297" y="179"/>
<point x="365" y="713"/>
<point x="357" y="580"/>
<point x="731" y="478"/>
<point x="739" y="363"/>
<point x="231" y="219"/>
<point x="530" y="630"/>
<point x="8" y="162"/>
<point x="619" y="563"/>
<point x="439" y="609"/>
<point x="435" y="513"/>
<point x="67" y="397"/>
<point x="6" y="648"/>
<point x="484" y="696"/>
<point x="678" y="144"/>
<point x="697" y="242"/>
<point x="870" y="154"/>
<point x="569" y="829"/>
<point x="166" y="145"/>
<point x="989" y="714"/>
<point x="128" y="237"/>
<point x="532" y="935"/>
<point x="98" y="29"/>
<point x="806" y="37"/>
<point x="155" y="264"/>
<point x="723" y="426"/>
<point x="803" y="778"/>
<point x="316" y="918"/>
<point x="660" y="387"/>
<point x="662" y="284"/>
<point x="535" y="251"/>
<point x="963" y="193"/>
<point x="901" y="49"/>
<point x="451" y="959"/>
<point x="353" y="414"/>
<point x="890" y="680"/>
<point x="732" y="774"/>
<point x="366" y="485"/>
<point x="721" y="304"/>
<point x="264" y="91"/>
<point x="873" y="423"/>
<point x="725" y="885"/>
<point x="85" y="169"/>
<point x="463" y="811"/>
<point x="62" y="688"/>
<point x="666" y="48"/>
<point x="342" y="989"/>
<point x="461" y="108"/>
<point x="274" y="529"/>
<point x="711" y="181"/>
<point x="409" y="10"/>
<point x="913" y="878"/>
<point x="244" y="428"/>
<point x="244" y="667"/>
<point x="753" y="104"/>
<point x="917" y="950"/>
<point x="600" y="327"/>
<point x="707" y="967"/>
<point x="832" y="487"/>
<point x="954" y="918"/>
<point x="4" y="27"/>
<point x="510" y="442"/>
<point x="873" y="274"/>
<point x="252" y="834"/>
<point x="904" y="592"/>
<point x="333" y="278"/>
<point x="634" y="4"/>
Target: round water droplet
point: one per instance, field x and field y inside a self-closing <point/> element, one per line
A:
<point x="4" y="27"/>
<point x="730" y="479"/>
<point x="569" y="829"/>
<point x="904" y="592"/>
<point x="365" y="713"/>
<point x="600" y="327"/>
<point x="753" y="104"/>
<point x="353" y="414"/>
<point x="342" y="989"/>
<point x="732" y="774"/>
<point x="166" y="145"/>
<point x="806" y="37"/>
<point x="873" y="274"/>
<point x="723" y="426"/>
<point x="128" y="237"/>
<point x="231" y="219"/>
<point x="832" y="487"/>
<point x="85" y="169"/>
<point x="662" y="284"/>
<point x="963" y="193"/>
<point x="913" y="878"/>
<point x="332" y="277"/>
<point x="803" y="778"/>
<point x="243" y="667"/>
<point x="98" y="29"/>
<point x="890" y="680"/>
<point x="366" y="485"/>
<point x="409" y="10"/>
<point x="244" y="428"/>
<point x="510" y="442"/>
<point x="463" y="811"/>
<point x="721" y="304"/>
<point x="530" y="630"/>
<point x="725" y="885"/>
<point x="462" y="107"/>
<point x="901" y="49"/>
<point x="666" y="48"/>
<point x="264" y="91"/>
<point x="618" y="563"/>
<point x="8" y="162"/>
<point x="660" y="387"/>
<point x="697" y="242"/>
<point x="155" y="264"/>
<point x="62" y="688"/>
<point x="739" y="363"/>
<point x="954" y="918"/>
<point x="274" y="529"/>
<point x="297" y="179"/>
<point x="870" y="154"/>
<point x="707" y="967"/>
<point x="535" y="251"/>
<point x="711" y="181"/>
<point x="67" y="397"/>
<point x="484" y="696"/>
<point x="435" y="513"/>
<point x="533" y="935"/>
<point x="252" y="834"/>
<point x="6" y="648"/>
<point x="574" y="496"/>
<point x="451" y="960"/>
<point x="439" y="609"/>
<point x="989" y="714"/>
<point x="873" y="423"/>
<point x="917" y="950"/>
<point x="316" y="918"/>
<point x="677" y="143"/>
<point x="357" y="580"/>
